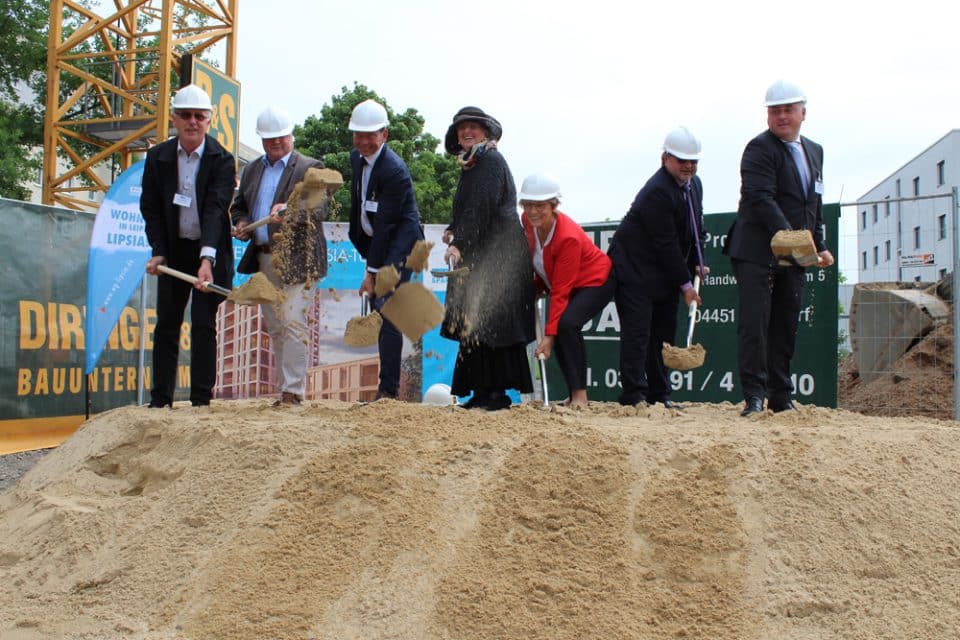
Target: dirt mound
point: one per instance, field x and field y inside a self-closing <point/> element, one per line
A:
<point x="919" y="383"/>
<point x="394" y="520"/>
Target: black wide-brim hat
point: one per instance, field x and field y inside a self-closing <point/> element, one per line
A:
<point x="475" y="114"/>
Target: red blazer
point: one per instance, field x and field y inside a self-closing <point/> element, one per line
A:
<point x="571" y="261"/>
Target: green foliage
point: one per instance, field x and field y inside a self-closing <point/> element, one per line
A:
<point x="326" y="137"/>
<point x="23" y="55"/>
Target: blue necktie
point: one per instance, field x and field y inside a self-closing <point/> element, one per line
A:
<point x="797" y="151"/>
<point x="693" y="223"/>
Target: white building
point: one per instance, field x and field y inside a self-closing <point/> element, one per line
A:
<point x="905" y="223"/>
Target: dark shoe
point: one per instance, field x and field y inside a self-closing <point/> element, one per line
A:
<point x="777" y="407"/>
<point x="385" y="394"/>
<point x="200" y="403"/>
<point x="753" y="405"/>
<point x="478" y="401"/>
<point x="670" y="404"/>
<point x="159" y="404"/>
<point x="287" y="399"/>
<point x="498" y="402"/>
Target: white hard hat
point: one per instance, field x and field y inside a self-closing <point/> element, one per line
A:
<point x="783" y="92"/>
<point x="682" y="144"/>
<point x="192" y="97"/>
<point x="274" y="123"/>
<point x="538" y="187"/>
<point x="369" y="115"/>
<point x="438" y="395"/>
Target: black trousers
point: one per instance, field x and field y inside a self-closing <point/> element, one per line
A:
<point x="645" y="324"/>
<point x="767" y="320"/>
<point x="390" y="345"/>
<point x="172" y="297"/>
<point x="568" y="344"/>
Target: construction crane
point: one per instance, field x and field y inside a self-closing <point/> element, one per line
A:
<point x="110" y="74"/>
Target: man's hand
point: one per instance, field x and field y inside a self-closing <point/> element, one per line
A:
<point x="368" y="285"/>
<point x="690" y="296"/>
<point x="825" y="259"/>
<point x="204" y="275"/>
<point x="276" y="212"/>
<point x="153" y="263"/>
<point x="544" y="348"/>
<point x="239" y="233"/>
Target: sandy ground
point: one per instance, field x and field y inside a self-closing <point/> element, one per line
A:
<point x="394" y="520"/>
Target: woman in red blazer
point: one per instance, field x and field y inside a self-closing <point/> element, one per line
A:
<point x="577" y="275"/>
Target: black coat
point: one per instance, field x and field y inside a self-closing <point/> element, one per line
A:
<point x="493" y="304"/>
<point x="653" y="248"/>
<point x="773" y="199"/>
<point x="214" y="189"/>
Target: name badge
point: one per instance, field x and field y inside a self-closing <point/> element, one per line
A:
<point x="182" y="200"/>
<point x="818" y="186"/>
<point x="371" y="206"/>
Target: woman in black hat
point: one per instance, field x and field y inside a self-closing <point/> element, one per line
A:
<point x="490" y="308"/>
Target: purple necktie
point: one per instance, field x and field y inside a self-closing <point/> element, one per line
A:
<point x="693" y="224"/>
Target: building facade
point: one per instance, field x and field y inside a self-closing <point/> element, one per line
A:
<point x="905" y="223"/>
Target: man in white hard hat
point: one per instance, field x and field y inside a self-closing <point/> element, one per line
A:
<point x="384" y="223"/>
<point x="657" y="250"/>
<point x="265" y="187"/>
<point x="187" y="187"/>
<point x="781" y="175"/>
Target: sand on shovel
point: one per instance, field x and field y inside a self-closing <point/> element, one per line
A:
<point x="257" y="290"/>
<point x="387" y="279"/>
<point x="419" y="258"/>
<point x="794" y="247"/>
<point x="363" y="331"/>
<point x="683" y="358"/>
<point x="413" y="310"/>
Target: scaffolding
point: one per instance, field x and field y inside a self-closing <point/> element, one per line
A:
<point x="110" y="77"/>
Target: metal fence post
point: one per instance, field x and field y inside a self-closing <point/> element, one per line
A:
<point x="956" y="308"/>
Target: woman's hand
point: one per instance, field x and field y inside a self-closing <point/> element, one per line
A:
<point x="454" y="253"/>
<point x="544" y="348"/>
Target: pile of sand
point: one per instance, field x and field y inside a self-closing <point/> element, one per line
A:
<point x="395" y="520"/>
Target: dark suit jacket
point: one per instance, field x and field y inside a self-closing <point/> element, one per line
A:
<point x="653" y="248"/>
<point x="772" y="198"/>
<point x="214" y="190"/>
<point x="246" y="197"/>
<point x="396" y="222"/>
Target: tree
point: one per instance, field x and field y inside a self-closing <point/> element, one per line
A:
<point x="23" y="29"/>
<point x="434" y="174"/>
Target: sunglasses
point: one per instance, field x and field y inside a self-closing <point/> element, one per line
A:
<point x="199" y="116"/>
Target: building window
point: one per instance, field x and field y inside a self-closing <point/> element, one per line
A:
<point x="876" y="256"/>
<point x="886" y="208"/>
<point x="942" y="227"/>
<point x="863" y="259"/>
<point x="898" y="187"/>
<point x="875" y="209"/>
<point x="916" y="237"/>
<point x="943" y="273"/>
<point x="941" y="174"/>
<point x="916" y="186"/>
<point x="886" y="251"/>
<point x="863" y="219"/>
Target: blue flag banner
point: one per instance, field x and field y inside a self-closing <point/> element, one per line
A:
<point x="119" y="252"/>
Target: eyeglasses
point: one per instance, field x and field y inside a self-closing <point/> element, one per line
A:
<point x="682" y="161"/>
<point x="199" y="116"/>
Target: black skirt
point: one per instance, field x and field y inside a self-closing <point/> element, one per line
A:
<point x="485" y="369"/>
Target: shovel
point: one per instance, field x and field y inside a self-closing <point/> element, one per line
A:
<point x="542" y="360"/>
<point x="450" y="272"/>
<point x="186" y="277"/>
<point x="693" y="355"/>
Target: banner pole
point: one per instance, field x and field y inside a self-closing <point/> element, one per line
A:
<point x="143" y="328"/>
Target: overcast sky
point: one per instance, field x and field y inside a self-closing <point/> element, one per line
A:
<point x="588" y="90"/>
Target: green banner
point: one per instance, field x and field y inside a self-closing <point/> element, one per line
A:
<point x="42" y="309"/>
<point x="814" y="367"/>
<point x="224" y="92"/>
